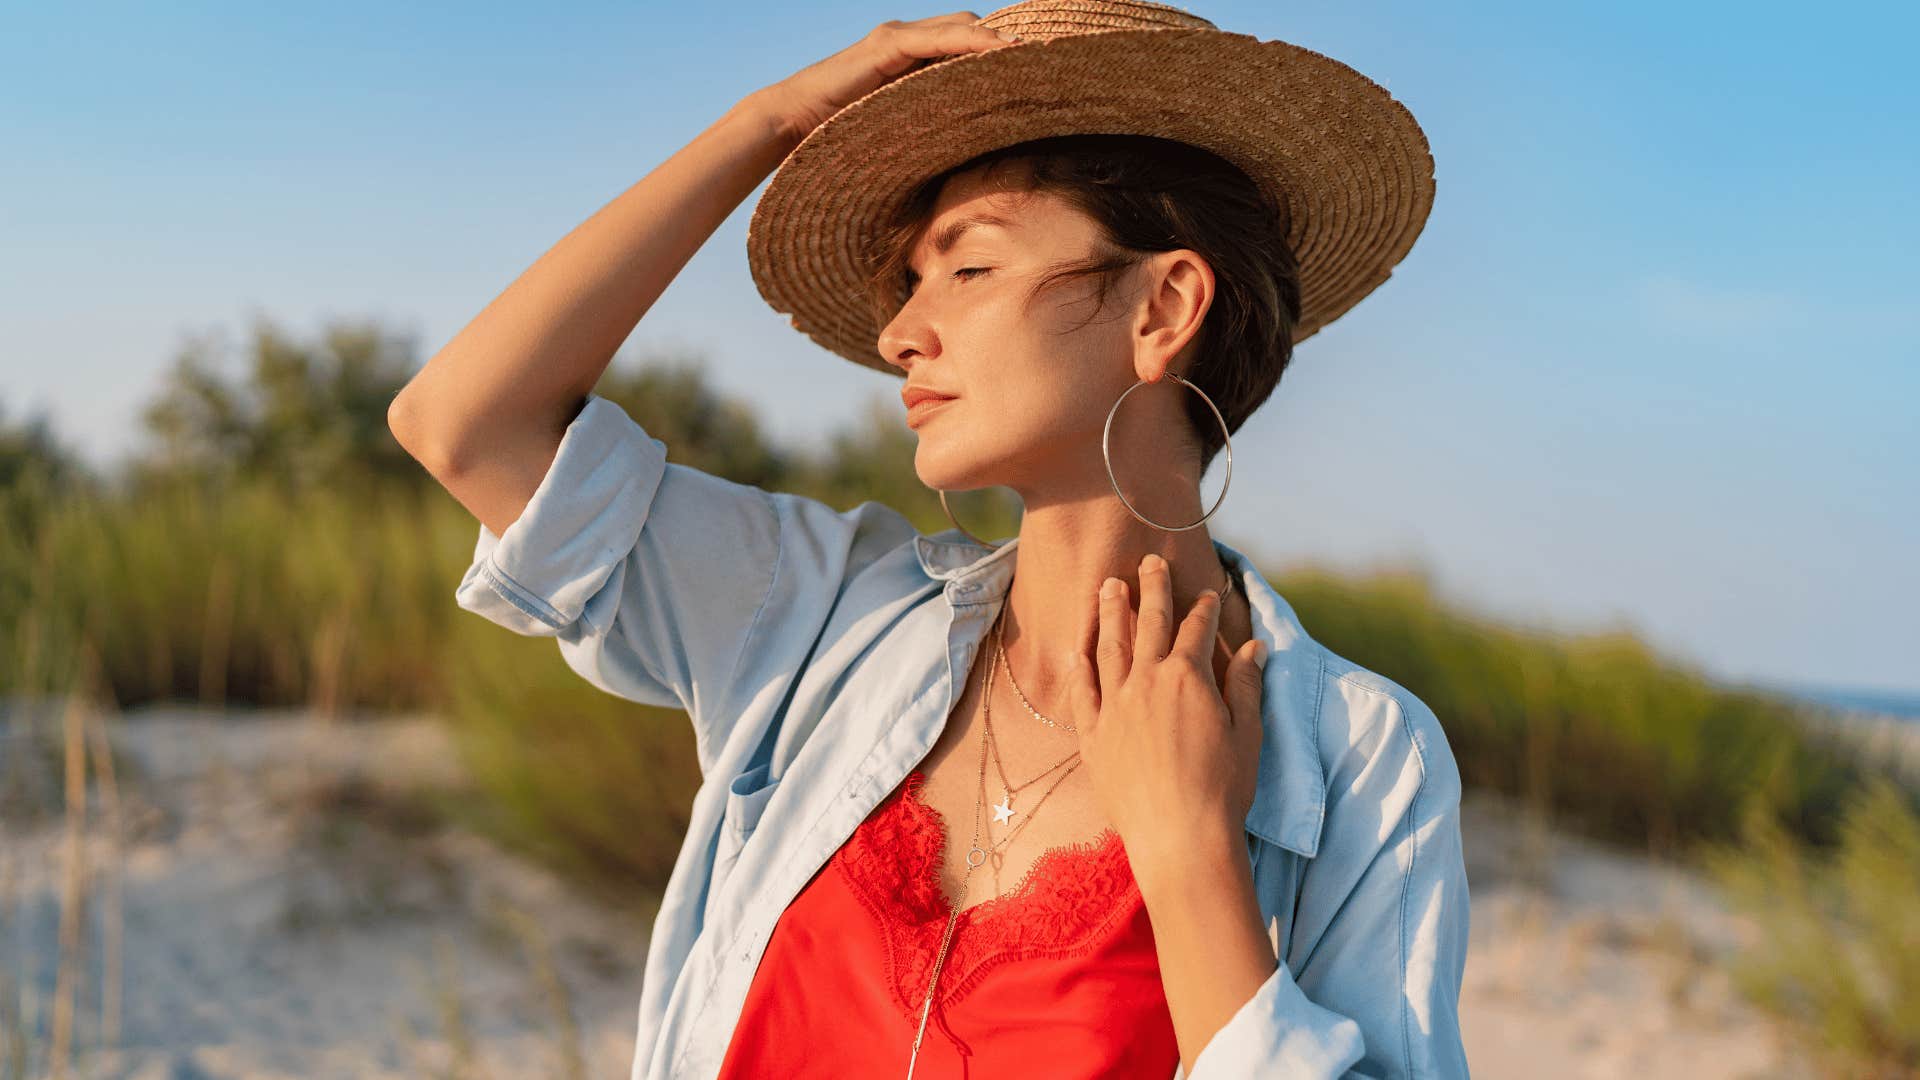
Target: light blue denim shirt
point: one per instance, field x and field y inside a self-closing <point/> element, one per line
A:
<point x="818" y="653"/>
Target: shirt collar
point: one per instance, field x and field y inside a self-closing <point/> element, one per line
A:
<point x="1290" y="798"/>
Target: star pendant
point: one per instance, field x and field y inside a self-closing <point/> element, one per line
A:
<point x="1002" y="813"/>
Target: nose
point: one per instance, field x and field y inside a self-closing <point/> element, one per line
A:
<point x="901" y="342"/>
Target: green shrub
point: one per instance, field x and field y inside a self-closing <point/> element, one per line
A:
<point x="238" y="593"/>
<point x="1596" y="728"/>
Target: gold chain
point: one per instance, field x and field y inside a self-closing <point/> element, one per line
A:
<point x="1000" y="658"/>
<point x="1069" y="728"/>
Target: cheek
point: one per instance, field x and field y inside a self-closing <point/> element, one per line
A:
<point x="1039" y="407"/>
<point x="1036" y="375"/>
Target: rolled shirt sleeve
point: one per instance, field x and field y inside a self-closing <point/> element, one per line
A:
<point x="1278" y="1032"/>
<point x="1372" y="985"/>
<point x="657" y="578"/>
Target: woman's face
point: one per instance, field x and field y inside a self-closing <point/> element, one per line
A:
<point x="1031" y="380"/>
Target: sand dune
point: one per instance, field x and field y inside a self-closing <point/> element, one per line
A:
<point x="286" y="916"/>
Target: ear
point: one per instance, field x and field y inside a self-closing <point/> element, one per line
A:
<point x="1176" y="292"/>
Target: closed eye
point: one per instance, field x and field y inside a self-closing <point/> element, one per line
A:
<point x="965" y="273"/>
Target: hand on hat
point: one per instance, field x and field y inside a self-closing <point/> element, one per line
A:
<point x="1174" y="759"/>
<point x="804" y="100"/>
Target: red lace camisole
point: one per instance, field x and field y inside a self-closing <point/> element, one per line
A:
<point x="1057" y="978"/>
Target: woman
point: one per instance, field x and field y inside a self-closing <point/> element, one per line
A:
<point x="966" y="811"/>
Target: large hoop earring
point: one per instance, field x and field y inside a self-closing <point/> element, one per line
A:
<point x="1225" y="435"/>
<point x="1105" y="435"/>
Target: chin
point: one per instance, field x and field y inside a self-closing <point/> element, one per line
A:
<point x="940" y="468"/>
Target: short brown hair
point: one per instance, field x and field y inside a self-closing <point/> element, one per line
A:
<point x="1150" y="195"/>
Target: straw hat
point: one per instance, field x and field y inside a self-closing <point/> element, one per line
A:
<point x="1347" y="164"/>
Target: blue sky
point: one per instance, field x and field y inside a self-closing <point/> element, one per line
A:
<point x="1645" y="368"/>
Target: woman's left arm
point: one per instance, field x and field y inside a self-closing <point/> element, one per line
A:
<point x="1220" y="974"/>
<point x="1380" y="935"/>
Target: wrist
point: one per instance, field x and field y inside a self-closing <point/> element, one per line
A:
<point x="763" y="108"/>
<point x="1204" y="863"/>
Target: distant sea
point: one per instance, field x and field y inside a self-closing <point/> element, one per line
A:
<point x="1860" y="702"/>
<point x="1885" y="725"/>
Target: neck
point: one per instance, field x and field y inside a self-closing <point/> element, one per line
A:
<point x="1065" y="552"/>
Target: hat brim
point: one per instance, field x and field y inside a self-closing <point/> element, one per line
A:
<point x="1346" y="162"/>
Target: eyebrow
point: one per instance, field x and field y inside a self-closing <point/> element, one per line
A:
<point x="949" y="234"/>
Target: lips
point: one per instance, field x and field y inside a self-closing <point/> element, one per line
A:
<point x="914" y="395"/>
<point x="924" y="404"/>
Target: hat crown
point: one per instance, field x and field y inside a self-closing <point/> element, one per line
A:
<point x="1042" y="20"/>
<point x="1346" y="164"/>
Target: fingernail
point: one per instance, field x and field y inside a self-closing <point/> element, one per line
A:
<point x="1004" y="36"/>
<point x="1151" y="561"/>
<point x="1110" y="588"/>
<point x="1210" y="594"/>
<point x="1259" y="654"/>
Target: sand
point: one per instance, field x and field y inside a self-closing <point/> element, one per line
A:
<point x="284" y="916"/>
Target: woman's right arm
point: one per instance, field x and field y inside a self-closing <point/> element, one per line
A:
<point x="662" y="583"/>
<point x="486" y="413"/>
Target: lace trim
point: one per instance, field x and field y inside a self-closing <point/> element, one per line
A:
<point x="893" y="863"/>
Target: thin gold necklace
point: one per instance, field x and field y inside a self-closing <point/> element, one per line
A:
<point x="1069" y="728"/>
<point x="1003" y="810"/>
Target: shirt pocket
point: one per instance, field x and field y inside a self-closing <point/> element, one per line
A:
<point x="747" y="798"/>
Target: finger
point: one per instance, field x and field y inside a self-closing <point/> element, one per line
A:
<point x="1113" y="650"/>
<point x="1197" y="629"/>
<point x="1219" y="660"/>
<point x="1154" y="638"/>
<point x="1083" y="694"/>
<point x="965" y="18"/>
<point x="1246" y="685"/>
<point x="927" y="40"/>
<point x="964" y="30"/>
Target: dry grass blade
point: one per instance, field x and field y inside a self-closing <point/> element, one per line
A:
<point x="73" y="891"/>
<point x="113" y="918"/>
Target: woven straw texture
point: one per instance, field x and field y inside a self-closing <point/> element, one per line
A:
<point x="1347" y="163"/>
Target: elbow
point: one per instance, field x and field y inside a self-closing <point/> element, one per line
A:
<point x="415" y="436"/>
<point x="448" y="442"/>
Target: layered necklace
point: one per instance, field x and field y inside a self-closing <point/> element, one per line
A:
<point x="977" y="855"/>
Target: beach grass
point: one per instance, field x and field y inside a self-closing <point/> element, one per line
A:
<point x="1839" y="952"/>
